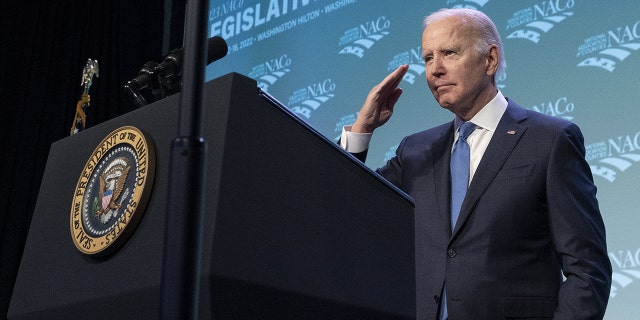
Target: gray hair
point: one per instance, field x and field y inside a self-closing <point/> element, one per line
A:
<point x="487" y="31"/>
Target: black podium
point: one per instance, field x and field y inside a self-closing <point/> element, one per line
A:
<point x="294" y="227"/>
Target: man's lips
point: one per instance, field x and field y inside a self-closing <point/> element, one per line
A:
<point x="438" y="87"/>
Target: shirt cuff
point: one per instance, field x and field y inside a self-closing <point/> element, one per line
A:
<point x="354" y="142"/>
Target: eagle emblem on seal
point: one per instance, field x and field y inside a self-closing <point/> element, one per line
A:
<point x="112" y="192"/>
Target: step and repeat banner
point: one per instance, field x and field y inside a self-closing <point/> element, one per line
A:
<point x="574" y="59"/>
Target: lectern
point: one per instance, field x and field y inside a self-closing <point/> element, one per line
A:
<point x="294" y="227"/>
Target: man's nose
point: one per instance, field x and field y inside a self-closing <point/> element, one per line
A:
<point x="436" y="68"/>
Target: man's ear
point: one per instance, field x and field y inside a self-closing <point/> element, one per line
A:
<point x="492" y="60"/>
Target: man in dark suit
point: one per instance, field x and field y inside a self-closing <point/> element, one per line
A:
<point x="530" y="214"/>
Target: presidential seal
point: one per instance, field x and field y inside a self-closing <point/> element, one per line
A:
<point x="112" y="191"/>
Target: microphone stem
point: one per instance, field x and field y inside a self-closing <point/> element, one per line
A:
<point x="138" y="99"/>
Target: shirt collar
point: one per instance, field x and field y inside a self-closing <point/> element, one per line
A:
<point x="489" y="116"/>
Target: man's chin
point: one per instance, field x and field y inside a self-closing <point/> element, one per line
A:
<point x="446" y="104"/>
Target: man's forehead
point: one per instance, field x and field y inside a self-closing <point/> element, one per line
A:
<point x="441" y="37"/>
<point x="445" y="32"/>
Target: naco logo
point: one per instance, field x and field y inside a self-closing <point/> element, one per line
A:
<point x="309" y="99"/>
<point x="561" y="108"/>
<point x="529" y="23"/>
<point x="610" y="47"/>
<point x="269" y="72"/>
<point x="626" y="265"/>
<point x="357" y="40"/>
<point x="610" y="158"/>
<point x="468" y="4"/>
<point x="412" y="57"/>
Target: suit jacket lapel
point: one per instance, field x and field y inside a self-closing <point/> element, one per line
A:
<point x="505" y="138"/>
<point x="441" y="155"/>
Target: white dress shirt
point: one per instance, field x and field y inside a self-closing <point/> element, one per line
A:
<point x="486" y="119"/>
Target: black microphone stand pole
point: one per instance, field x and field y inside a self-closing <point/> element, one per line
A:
<point x="183" y="231"/>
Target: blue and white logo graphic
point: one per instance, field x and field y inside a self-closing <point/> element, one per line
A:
<point x="358" y="40"/>
<point x="269" y="72"/>
<point x="467" y="4"/>
<point x="412" y="57"/>
<point x="530" y="23"/>
<point x="309" y="99"/>
<point x="626" y="269"/>
<point x="609" y="48"/>
<point x="560" y="108"/>
<point x="610" y="158"/>
<point x="391" y="152"/>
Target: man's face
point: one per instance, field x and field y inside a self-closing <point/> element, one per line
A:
<point x="458" y="76"/>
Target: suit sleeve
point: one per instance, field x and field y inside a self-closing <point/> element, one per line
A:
<point x="578" y="230"/>
<point x="392" y="170"/>
<point x="362" y="156"/>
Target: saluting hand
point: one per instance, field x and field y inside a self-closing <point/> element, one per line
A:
<point x="378" y="107"/>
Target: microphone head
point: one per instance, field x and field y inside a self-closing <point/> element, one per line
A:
<point x="216" y="49"/>
<point x="173" y="62"/>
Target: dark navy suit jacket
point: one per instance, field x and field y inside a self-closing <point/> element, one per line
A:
<point x="530" y="214"/>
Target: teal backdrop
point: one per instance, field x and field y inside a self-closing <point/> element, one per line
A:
<point x="574" y="59"/>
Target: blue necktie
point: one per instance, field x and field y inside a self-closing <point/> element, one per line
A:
<point x="459" y="184"/>
<point x="460" y="170"/>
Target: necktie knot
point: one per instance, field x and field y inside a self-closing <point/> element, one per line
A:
<point x="466" y="129"/>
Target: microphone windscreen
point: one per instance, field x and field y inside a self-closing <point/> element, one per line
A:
<point x="216" y="49"/>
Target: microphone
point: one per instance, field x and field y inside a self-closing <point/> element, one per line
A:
<point x="168" y="72"/>
<point x="172" y="65"/>
<point x="216" y="49"/>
